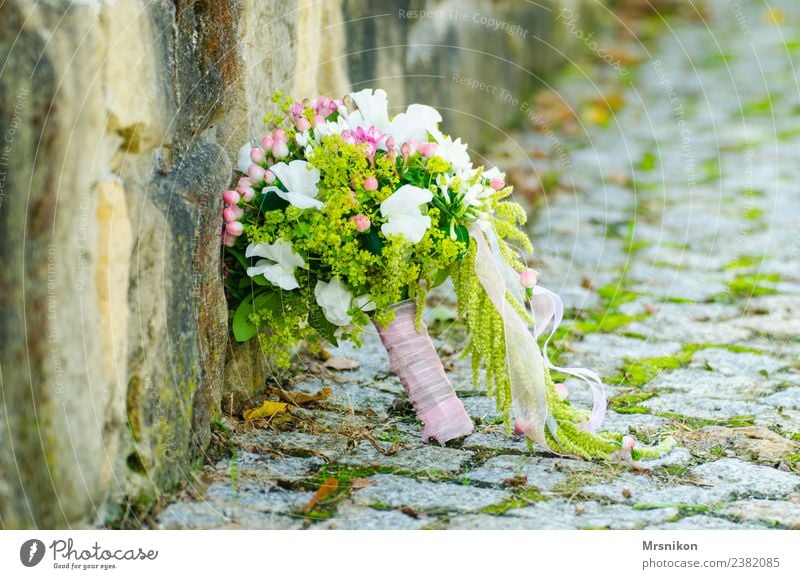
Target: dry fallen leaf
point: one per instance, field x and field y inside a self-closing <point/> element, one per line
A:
<point x="266" y="410"/>
<point x="298" y="398"/>
<point x="360" y="483"/>
<point x="341" y="363"/>
<point x="323" y="492"/>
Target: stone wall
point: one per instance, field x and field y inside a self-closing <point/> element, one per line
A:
<point x="118" y="122"/>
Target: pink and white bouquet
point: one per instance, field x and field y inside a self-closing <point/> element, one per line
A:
<point x="346" y="217"/>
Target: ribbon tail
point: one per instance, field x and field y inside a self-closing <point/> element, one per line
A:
<point x="526" y="368"/>
<point x="547" y="307"/>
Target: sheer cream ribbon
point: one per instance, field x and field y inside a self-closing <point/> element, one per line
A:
<point x="525" y="362"/>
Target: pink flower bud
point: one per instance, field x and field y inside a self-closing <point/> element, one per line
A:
<point x="361" y="222"/>
<point x="269" y="177"/>
<point x="234" y="228"/>
<point x="527" y="278"/>
<point x="405" y="150"/>
<point x="562" y="391"/>
<point x="498" y="183"/>
<point x="229" y="214"/>
<point x="390" y="143"/>
<point x="280" y="150"/>
<point x="279" y="135"/>
<point x="318" y="120"/>
<point x="256" y="173"/>
<point x="257" y="155"/>
<point x="267" y="142"/>
<point x="247" y="193"/>
<point x="244" y="182"/>
<point x="428" y="149"/>
<point x="302" y="124"/>
<point x="231" y="197"/>
<point x="413" y="146"/>
<point x="628" y="443"/>
<point x="370" y="183"/>
<point x="228" y="240"/>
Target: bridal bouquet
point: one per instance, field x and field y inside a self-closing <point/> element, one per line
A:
<point x="347" y="217"/>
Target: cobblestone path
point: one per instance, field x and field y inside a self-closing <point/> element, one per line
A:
<point x="668" y="222"/>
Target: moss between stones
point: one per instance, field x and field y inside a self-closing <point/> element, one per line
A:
<point x="628" y="404"/>
<point x="694" y="423"/>
<point x="745" y="261"/>
<point x="642" y="371"/>
<point x="523" y="497"/>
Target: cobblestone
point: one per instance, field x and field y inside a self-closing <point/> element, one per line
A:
<point x="700" y="244"/>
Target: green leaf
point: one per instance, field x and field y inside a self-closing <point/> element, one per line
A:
<point x="372" y="242"/>
<point x="271" y="202"/>
<point x="239" y="255"/>
<point x="243" y="328"/>
<point x="318" y="321"/>
<point x="440" y="277"/>
<point x="462" y="234"/>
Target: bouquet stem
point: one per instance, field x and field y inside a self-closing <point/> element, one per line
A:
<point x="414" y="360"/>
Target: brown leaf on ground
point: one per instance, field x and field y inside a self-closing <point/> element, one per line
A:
<point x="299" y="398"/>
<point x="341" y="363"/>
<point x="516" y="481"/>
<point x="325" y="490"/>
<point x="406" y="510"/>
<point x="360" y="483"/>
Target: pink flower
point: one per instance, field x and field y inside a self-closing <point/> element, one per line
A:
<point x="257" y="155"/>
<point x="280" y="149"/>
<point x="256" y="173"/>
<point x="279" y="135"/>
<point x="234" y="228"/>
<point x="628" y="443"/>
<point x="562" y="391"/>
<point x="228" y="240"/>
<point x="231" y="197"/>
<point x="229" y="214"/>
<point x="267" y="142"/>
<point x="244" y="182"/>
<point x="361" y="222"/>
<point x="302" y="124"/>
<point x="370" y="183"/>
<point x="269" y="177"/>
<point x="427" y="149"/>
<point x="498" y="183"/>
<point x="247" y="193"/>
<point x="527" y="278"/>
<point x="390" y="143"/>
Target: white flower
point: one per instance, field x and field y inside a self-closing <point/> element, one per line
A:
<point x="476" y="194"/>
<point x="416" y="123"/>
<point x="403" y="215"/>
<point x="455" y="153"/>
<point x="300" y="179"/>
<point x="334" y="299"/>
<point x="372" y="110"/>
<point x="243" y="161"/>
<point x="365" y="303"/>
<point x="279" y="265"/>
<point x="331" y="127"/>
<point x="493" y="173"/>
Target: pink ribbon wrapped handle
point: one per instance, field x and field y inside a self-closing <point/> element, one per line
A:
<point x="414" y="360"/>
